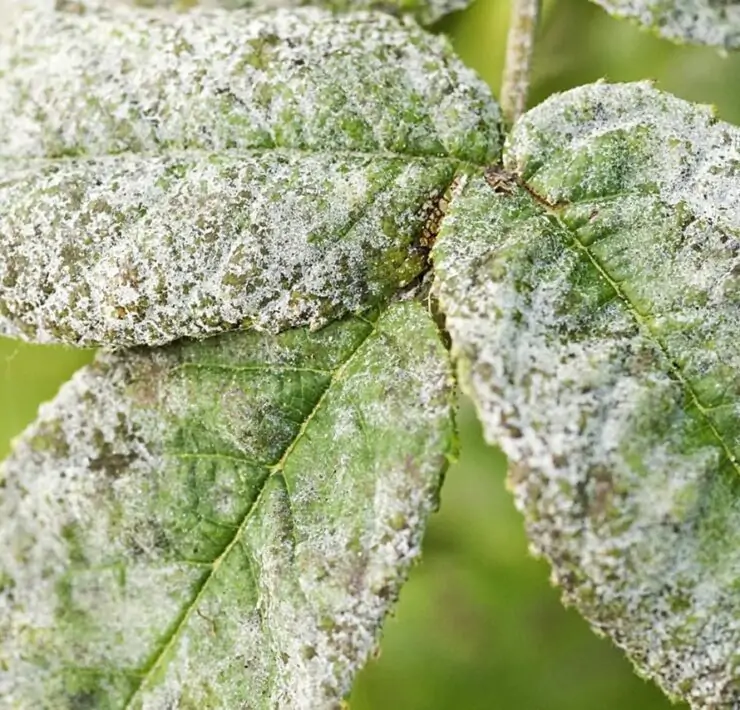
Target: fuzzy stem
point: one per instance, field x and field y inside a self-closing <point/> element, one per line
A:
<point x="519" y="48"/>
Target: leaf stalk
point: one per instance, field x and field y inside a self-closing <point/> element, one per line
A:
<point x="518" y="62"/>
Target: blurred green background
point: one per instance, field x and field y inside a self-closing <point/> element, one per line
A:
<point x="478" y="625"/>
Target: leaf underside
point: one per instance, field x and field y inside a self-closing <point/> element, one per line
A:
<point x="167" y="175"/>
<point x="223" y="521"/>
<point x="708" y="22"/>
<point x="593" y="305"/>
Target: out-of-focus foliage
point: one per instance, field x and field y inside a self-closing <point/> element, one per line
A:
<point x="478" y="626"/>
<point x="579" y="43"/>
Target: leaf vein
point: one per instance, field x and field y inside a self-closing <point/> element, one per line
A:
<point x="246" y="152"/>
<point x="173" y="637"/>
<point x="217" y="367"/>
<point x="644" y="323"/>
<point x="197" y="455"/>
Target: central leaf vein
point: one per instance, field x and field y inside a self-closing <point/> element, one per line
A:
<point x="179" y="627"/>
<point x="644" y="324"/>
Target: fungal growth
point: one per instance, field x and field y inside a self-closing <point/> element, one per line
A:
<point x="598" y="339"/>
<point x="178" y="175"/>
<point x="426" y="12"/>
<point x="248" y="207"/>
<point x="711" y="22"/>
<point x="221" y="520"/>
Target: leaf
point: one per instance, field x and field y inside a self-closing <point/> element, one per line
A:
<point x="592" y="300"/>
<point x="179" y="175"/>
<point x="224" y="523"/>
<point x="716" y="24"/>
<point x="425" y="11"/>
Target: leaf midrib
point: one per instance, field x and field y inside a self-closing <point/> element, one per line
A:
<point x="173" y="638"/>
<point x="642" y="322"/>
<point x="22" y="161"/>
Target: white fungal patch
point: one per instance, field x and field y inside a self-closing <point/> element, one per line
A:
<point x="425" y="11"/>
<point x="716" y="24"/>
<point x="171" y="175"/>
<point x="107" y="82"/>
<point x="136" y="250"/>
<point x="595" y="324"/>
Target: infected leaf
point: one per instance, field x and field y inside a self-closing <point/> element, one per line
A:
<point x="170" y="175"/>
<point x="594" y="311"/>
<point x="709" y="22"/>
<point x="224" y="523"/>
<point x="425" y="11"/>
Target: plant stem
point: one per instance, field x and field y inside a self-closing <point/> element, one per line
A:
<point x="517" y="67"/>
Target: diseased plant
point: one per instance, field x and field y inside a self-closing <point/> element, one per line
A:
<point x="274" y="221"/>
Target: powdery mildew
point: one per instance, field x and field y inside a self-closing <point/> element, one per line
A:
<point x="221" y="522"/>
<point x="181" y="174"/>
<point x="596" y="328"/>
<point x="128" y="80"/>
<point x="131" y="250"/>
<point x="425" y="11"/>
<point x="695" y="21"/>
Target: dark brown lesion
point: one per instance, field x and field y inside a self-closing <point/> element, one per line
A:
<point x="503" y="182"/>
<point x="434" y="212"/>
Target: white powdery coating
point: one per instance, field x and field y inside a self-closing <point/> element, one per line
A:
<point x="119" y="252"/>
<point x="685" y="153"/>
<point x="352" y="574"/>
<point x="187" y="528"/>
<point x="651" y="185"/>
<point x="695" y="21"/>
<point x="127" y="80"/>
<point x="172" y="175"/>
<point x="425" y="11"/>
<point x="47" y="495"/>
<point x="598" y="338"/>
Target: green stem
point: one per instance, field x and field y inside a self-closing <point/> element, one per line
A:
<point x="518" y="64"/>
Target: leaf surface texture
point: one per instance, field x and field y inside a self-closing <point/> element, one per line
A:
<point x="221" y="522"/>
<point x="425" y="11"/>
<point x="707" y="22"/>
<point x="592" y="300"/>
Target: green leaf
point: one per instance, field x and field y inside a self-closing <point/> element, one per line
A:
<point x="223" y="523"/>
<point x="709" y="22"/>
<point x="169" y="175"/>
<point x="425" y="11"/>
<point x="592" y="295"/>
